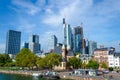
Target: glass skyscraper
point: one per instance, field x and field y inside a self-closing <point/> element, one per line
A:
<point x="52" y="42"/>
<point x="13" y="41"/>
<point x="34" y="45"/>
<point x="78" y="39"/>
<point x="67" y="34"/>
<point x="91" y="47"/>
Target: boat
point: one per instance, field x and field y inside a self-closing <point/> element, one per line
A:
<point x="37" y="75"/>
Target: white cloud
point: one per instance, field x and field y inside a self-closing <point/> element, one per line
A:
<point x="26" y="26"/>
<point x="95" y="17"/>
<point x="26" y="6"/>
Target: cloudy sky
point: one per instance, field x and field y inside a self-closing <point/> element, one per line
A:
<point x="100" y="18"/>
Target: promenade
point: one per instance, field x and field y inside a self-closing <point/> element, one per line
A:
<point x="64" y="75"/>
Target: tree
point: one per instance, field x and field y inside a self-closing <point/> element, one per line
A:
<point x="84" y="65"/>
<point x="41" y="62"/>
<point x="92" y="64"/>
<point x="74" y="62"/>
<point x="104" y="65"/>
<point x="110" y="69"/>
<point x="25" y="58"/>
<point x="52" y="59"/>
<point x="1" y="60"/>
<point x="5" y="59"/>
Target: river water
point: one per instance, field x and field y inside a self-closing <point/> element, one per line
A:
<point x="17" y="77"/>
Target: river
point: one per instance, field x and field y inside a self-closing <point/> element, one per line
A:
<point x="17" y="77"/>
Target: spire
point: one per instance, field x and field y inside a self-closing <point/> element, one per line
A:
<point x="63" y="20"/>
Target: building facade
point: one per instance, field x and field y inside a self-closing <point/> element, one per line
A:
<point x="114" y="60"/>
<point x="101" y="55"/>
<point x="91" y="47"/>
<point x="52" y="42"/>
<point x="67" y="34"/>
<point x="34" y="45"/>
<point x="78" y="40"/>
<point x="26" y="45"/>
<point x="13" y="42"/>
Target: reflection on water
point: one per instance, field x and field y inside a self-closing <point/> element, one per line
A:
<point x="35" y="78"/>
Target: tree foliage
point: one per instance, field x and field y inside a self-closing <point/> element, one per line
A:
<point x="74" y="62"/>
<point x="110" y="69"/>
<point x="52" y="59"/>
<point x="92" y="64"/>
<point x="83" y="65"/>
<point x="5" y="59"/>
<point x="104" y="65"/>
<point x="25" y="58"/>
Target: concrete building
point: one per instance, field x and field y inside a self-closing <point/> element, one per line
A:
<point x="34" y="45"/>
<point x="13" y="42"/>
<point x="101" y="55"/>
<point x="114" y="60"/>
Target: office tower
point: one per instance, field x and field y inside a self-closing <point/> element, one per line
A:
<point x="52" y="42"/>
<point x="91" y="47"/>
<point x="78" y="40"/>
<point x="34" y="45"/>
<point x="13" y="41"/>
<point x="26" y="45"/>
<point x="67" y="34"/>
<point x="58" y="48"/>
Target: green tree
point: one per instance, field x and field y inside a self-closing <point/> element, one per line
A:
<point x="1" y="60"/>
<point x="41" y="62"/>
<point x="52" y="59"/>
<point x="5" y="59"/>
<point x="92" y="64"/>
<point x="25" y="58"/>
<point x="84" y="65"/>
<point x="104" y="65"/>
<point x="74" y="62"/>
<point x="110" y="69"/>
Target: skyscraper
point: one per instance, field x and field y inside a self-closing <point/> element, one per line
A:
<point x="67" y="34"/>
<point x="26" y="45"/>
<point x="78" y="39"/>
<point x="52" y="42"/>
<point x="13" y="41"/>
<point x="91" y="47"/>
<point x="34" y="45"/>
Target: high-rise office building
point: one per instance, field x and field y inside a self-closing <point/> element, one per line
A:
<point x="26" y="45"/>
<point x="34" y="45"/>
<point x="67" y="34"/>
<point x="91" y="47"/>
<point x="13" y="41"/>
<point x="52" y="42"/>
<point x="78" y="40"/>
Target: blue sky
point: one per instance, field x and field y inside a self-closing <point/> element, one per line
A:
<point x="100" y="18"/>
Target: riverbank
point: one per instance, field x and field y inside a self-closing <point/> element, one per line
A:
<point x="63" y="75"/>
<point x="16" y="72"/>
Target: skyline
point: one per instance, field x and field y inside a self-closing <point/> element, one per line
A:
<point x="44" y="17"/>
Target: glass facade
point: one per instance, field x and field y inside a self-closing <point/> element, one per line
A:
<point x="13" y="41"/>
<point x="34" y="45"/>
<point x="91" y="47"/>
<point x="77" y="39"/>
<point x="67" y="35"/>
<point x="53" y="42"/>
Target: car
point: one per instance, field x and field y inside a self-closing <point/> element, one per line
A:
<point x="106" y="71"/>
